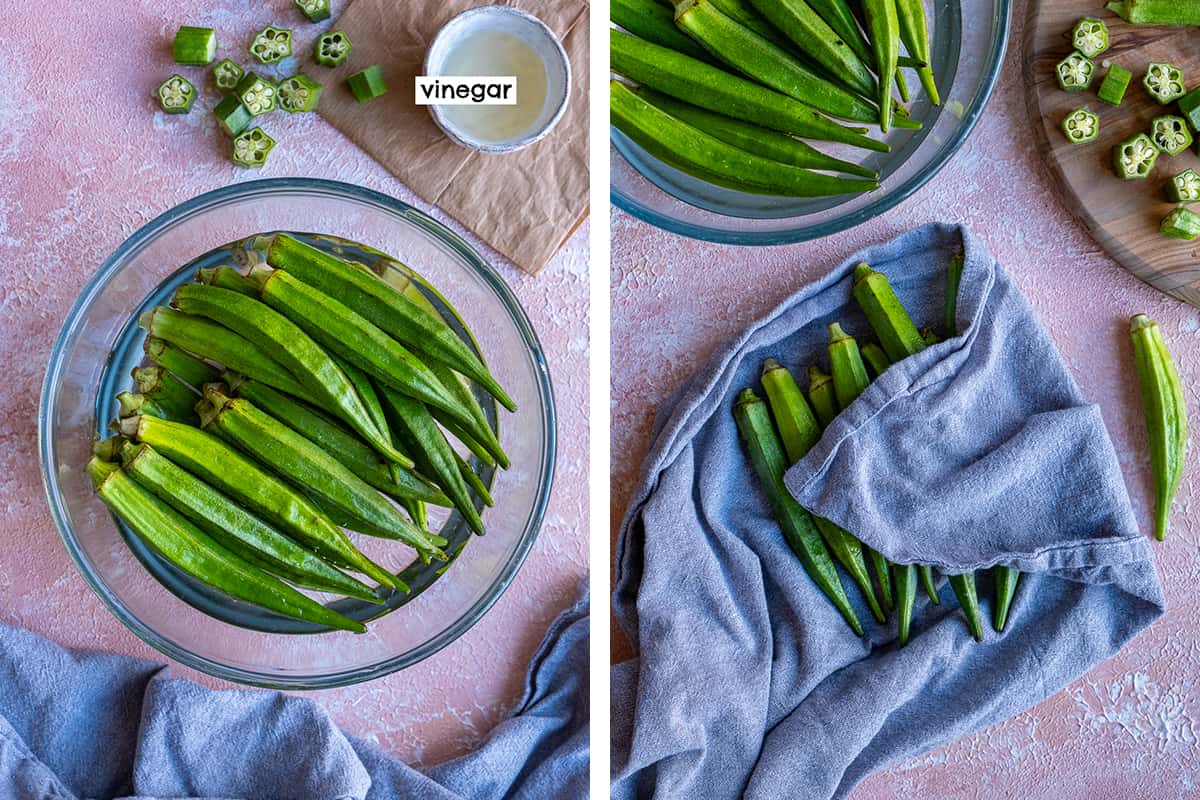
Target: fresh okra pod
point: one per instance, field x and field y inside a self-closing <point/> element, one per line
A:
<point x="655" y="22"/>
<point x="822" y="395"/>
<point x="1166" y="414"/>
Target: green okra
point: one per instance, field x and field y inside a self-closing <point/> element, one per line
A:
<point x="1006" y="587"/>
<point x="367" y="394"/>
<point x="877" y="360"/>
<point x="704" y="85"/>
<point x="131" y="404"/>
<point x="474" y="481"/>
<point x="234" y="527"/>
<point x="897" y="334"/>
<point x="914" y="32"/>
<point x="405" y="320"/>
<point x="753" y="138"/>
<point x="418" y="512"/>
<point x="846" y="363"/>
<point x="194" y="552"/>
<point x="227" y="278"/>
<point x="822" y="395"/>
<point x="184" y="366"/>
<point x="289" y="346"/>
<point x="394" y="480"/>
<point x="654" y="22"/>
<point x="930" y="336"/>
<point x="1165" y="412"/>
<point x="1156" y="12"/>
<point x="813" y="36"/>
<point x="905" y="578"/>
<point x="925" y="573"/>
<point x="416" y="430"/>
<point x="308" y="465"/>
<point x="227" y="470"/>
<point x="840" y="18"/>
<point x="172" y="395"/>
<point x="768" y="63"/>
<point x="480" y="438"/>
<point x="746" y="15"/>
<point x="968" y="599"/>
<point x="208" y="339"/>
<point x="798" y="427"/>
<point x="883" y="28"/>
<point x="801" y="532"/>
<point x="851" y="554"/>
<point x="109" y="450"/>
<point x="954" y="271"/>
<point x="472" y="444"/>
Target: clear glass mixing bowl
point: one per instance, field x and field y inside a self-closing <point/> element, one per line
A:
<point x="99" y="343"/>
<point x="969" y="40"/>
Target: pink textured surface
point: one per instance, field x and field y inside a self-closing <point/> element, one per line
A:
<point x="1131" y="726"/>
<point x="87" y="159"/>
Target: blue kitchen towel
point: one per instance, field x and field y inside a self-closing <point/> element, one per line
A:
<point x="76" y="724"/>
<point x="974" y="452"/>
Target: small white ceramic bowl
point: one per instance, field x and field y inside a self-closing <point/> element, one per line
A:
<point x="530" y="30"/>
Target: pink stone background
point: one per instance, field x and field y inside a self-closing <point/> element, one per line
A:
<point x="1129" y="728"/>
<point x="85" y="160"/>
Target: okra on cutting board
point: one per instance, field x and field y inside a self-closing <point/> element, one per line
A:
<point x="733" y="91"/>
<point x="778" y="431"/>
<point x="284" y="411"/>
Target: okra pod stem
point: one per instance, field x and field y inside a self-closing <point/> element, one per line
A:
<point x="192" y="551"/>
<point x="184" y="366"/>
<point x="1165" y="412"/>
<point x="224" y="468"/>
<point x="227" y="278"/>
<point x="131" y="404"/>
<point x="757" y="433"/>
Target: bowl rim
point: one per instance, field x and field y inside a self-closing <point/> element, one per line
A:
<point x="867" y="212"/>
<point x="432" y="227"/>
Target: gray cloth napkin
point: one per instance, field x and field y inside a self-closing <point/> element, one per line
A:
<point x="975" y="452"/>
<point x="77" y="724"/>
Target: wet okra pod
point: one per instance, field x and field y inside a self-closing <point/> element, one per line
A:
<point x="822" y="395"/>
<point x="883" y="29"/>
<point x="1164" y="82"/>
<point x="1075" y="72"/>
<point x="914" y="32"/>
<point x="176" y="398"/>
<point x="191" y="550"/>
<point x="367" y="394"/>
<point x="473" y="480"/>
<point x="376" y="301"/>
<point x="655" y="22"/>
<point x="210" y="340"/>
<point x="483" y="440"/>
<point x="1182" y="223"/>
<point x="291" y="347"/>
<point x="194" y="46"/>
<point x="799" y="530"/>
<point x="234" y="527"/>
<point x="1165" y="412"/>
<point x="1134" y="158"/>
<point x="813" y="37"/>
<point x="367" y="84"/>
<point x="306" y="464"/>
<point x="227" y="470"/>
<point x="227" y="278"/>
<point x="415" y="429"/>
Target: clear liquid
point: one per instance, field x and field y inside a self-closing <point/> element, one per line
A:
<point x="494" y="53"/>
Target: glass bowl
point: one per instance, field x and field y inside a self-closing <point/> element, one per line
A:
<point x="965" y="59"/>
<point x="100" y="341"/>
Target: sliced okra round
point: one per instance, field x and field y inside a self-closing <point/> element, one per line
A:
<point x="1184" y="187"/>
<point x="250" y="149"/>
<point x="1112" y="88"/>
<point x="195" y="46"/>
<point x="367" y="84"/>
<point x="257" y="94"/>
<point x="1182" y="223"/>
<point x="1081" y="126"/>
<point x="232" y="116"/>
<point x="1090" y="37"/>
<point x="1135" y="157"/>
<point x="315" y="10"/>
<point x="271" y="44"/>
<point x="1164" y="82"/>
<point x="332" y="48"/>
<point x="299" y="93"/>
<point x="1171" y="134"/>
<point x="176" y="95"/>
<point x="227" y="74"/>
<point x="1075" y="72"/>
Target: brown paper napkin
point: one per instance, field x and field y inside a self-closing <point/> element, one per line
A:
<point x="524" y="204"/>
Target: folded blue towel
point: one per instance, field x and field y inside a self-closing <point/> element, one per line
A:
<point x="977" y="451"/>
<point x="76" y="724"/>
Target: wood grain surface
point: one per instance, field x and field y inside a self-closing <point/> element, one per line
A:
<point x="1123" y="215"/>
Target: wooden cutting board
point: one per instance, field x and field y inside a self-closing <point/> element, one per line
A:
<point x="1122" y="215"/>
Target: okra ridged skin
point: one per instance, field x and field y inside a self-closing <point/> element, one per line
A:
<point x="654" y="22"/>
<point x="189" y="369"/>
<point x="768" y="63"/>
<point x="883" y="28"/>
<point x="1166" y="414"/>
<point x="914" y="32"/>
<point x="897" y="334"/>
<point x="849" y="553"/>
<point x="416" y="430"/>
<point x="753" y="138"/>
<point x="798" y="426"/>
<point x="366" y="393"/>
<point x="245" y="534"/>
<point x="1006" y="588"/>
<point x="968" y="599"/>
<point x="192" y="551"/>
<point x="822" y="395"/>
<point x="375" y="300"/>
<point x="758" y="434"/>
<point x="227" y="470"/>
<point x="309" y="466"/>
<point x="692" y="151"/>
<point x="288" y="345"/>
<point x="925" y="573"/>
<point x="171" y="394"/>
<point x="814" y="37"/>
<point x="905" y="577"/>
<point x="481" y="432"/>
<point x="704" y="85"/>
<point x="846" y="363"/>
<point x="227" y="278"/>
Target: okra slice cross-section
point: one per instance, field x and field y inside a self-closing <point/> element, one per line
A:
<point x="332" y="48"/>
<point x="1081" y="126"/>
<point x="227" y="74"/>
<point x="1090" y="37"/>
<point x="1170" y="134"/>
<point x="251" y="148"/>
<point x="1134" y="158"/>
<point x="1184" y="187"/>
<point x="272" y="44"/>
<point x="315" y="10"/>
<point x="299" y="93"/>
<point x="176" y="95"/>
<point x="257" y="94"/>
<point x="1164" y="82"/>
<point x="1075" y="72"/>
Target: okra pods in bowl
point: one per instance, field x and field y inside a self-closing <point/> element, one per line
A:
<point x="262" y="506"/>
<point x="761" y="122"/>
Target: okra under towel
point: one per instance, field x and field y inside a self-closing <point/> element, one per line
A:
<point x="974" y="452"/>
<point x="75" y="724"/>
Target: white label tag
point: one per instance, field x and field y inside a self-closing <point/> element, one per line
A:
<point x="459" y="90"/>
